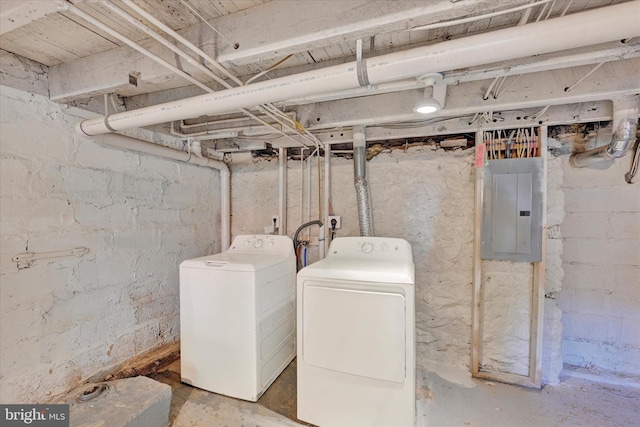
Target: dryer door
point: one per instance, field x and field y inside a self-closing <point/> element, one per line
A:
<point x="354" y="331"/>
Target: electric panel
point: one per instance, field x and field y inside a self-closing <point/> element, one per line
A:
<point x="512" y="210"/>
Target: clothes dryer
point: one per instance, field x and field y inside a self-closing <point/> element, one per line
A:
<point x="356" y="335"/>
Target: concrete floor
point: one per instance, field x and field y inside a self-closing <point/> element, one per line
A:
<point x="445" y="397"/>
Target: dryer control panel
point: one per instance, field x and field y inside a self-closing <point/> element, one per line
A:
<point x="262" y="244"/>
<point x="371" y="248"/>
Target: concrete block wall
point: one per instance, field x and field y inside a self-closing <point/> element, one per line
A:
<point x="24" y="74"/>
<point x="65" y="319"/>
<point x="552" y="361"/>
<point x="426" y="196"/>
<point x="600" y="297"/>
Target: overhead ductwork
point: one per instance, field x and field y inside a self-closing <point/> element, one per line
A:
<point x="625" y="127"/>
<point x="365" y="217"/>
<point x="615" y="22"/>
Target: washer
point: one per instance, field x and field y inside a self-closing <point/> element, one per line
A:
<point x="356" y="335"/>
<point x="237" y="316"/>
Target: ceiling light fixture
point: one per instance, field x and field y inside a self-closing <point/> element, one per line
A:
<point x="427" y="105"/>
<point x="433" y="100"/>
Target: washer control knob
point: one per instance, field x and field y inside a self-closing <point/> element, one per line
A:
<point x="258" y="243"/>
<point x="366" y="247"/>
<point x="384" y="247"/>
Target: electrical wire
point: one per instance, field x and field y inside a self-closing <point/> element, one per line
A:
<point x="634" y="165"/>
<point x="195" y="12"/>
<point x="262" y="73"/>
<point x="593" y="70"/>
<point x="566" y="7"/>
<point x="498" y="93"/>
<point x="477" y="18"/>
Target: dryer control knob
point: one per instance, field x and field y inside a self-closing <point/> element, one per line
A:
<point x="366" y="247"/>
<point x="258" y="243"/>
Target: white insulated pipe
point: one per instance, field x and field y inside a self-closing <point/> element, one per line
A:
<point x="124" y="142"/>
<point x="327" y="192"/>
<point x="614" y="23"/>
<point x="282" y="190"/>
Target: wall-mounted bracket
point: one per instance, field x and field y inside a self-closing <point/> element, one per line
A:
<point x="25" y="260"/>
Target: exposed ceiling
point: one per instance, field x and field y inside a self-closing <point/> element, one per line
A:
<point x="247" y="38"/>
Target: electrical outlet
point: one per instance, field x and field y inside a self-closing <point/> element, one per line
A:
<point x="338" y="221"/>
<point x="275" y="221"/>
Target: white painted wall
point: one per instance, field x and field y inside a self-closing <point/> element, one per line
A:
<point x="600" y="298"/>
<point x="65" y="319"/>
<point x="427" y="197"/>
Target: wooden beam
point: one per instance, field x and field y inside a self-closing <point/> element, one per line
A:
<point x="536" y="314"/>
<point x="539" y="278"/>
<point x="534" y="90"/>
<point x="17" y="13"/>
<point x="608" y="52"/>
<point x="295" y="27"/>
<point x="476" y="324"/>
<point x="263" y="33"/>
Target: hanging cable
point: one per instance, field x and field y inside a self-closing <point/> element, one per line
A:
<point x="569" y="88"/>
<point x="541" y="112"/>
<point x="477" y="18"/>
<point x="566" y="7"/>
<point x="634" y="165"/>
<point x="262" y="73"/>
<point x="496" y="95"/>
<point x="195" y="12"/>
<point x="525" y="18"/>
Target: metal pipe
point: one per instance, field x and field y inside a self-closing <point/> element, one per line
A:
<point x="614" y="23"/>
<point x="625" y="127"/>
<point x="124" y="142"/>
<point x="365" y="217"/>
<point x="589" y="157"/>
<point x="302" y="227"/>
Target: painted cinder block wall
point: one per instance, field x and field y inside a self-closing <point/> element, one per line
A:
<point x="424" y="195"/>
<point x="600" y="298"/>
<point x="63" y="320"/>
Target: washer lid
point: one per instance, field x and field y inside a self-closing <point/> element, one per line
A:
<point x="235" y="261"/>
